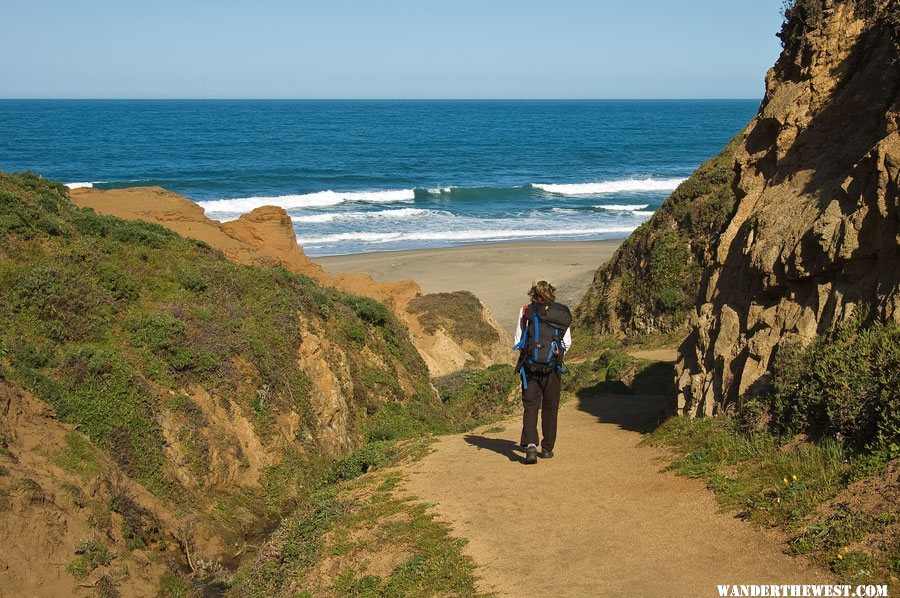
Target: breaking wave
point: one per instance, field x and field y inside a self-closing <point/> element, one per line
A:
<point x="620" y="186"/>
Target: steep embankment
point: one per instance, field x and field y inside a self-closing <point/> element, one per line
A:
<point x="649" y="286"/>
<point x="266" y="237"/>
<point x="160" y="406"/>
<point x="790" y="230"/>
<point x="815" y="234"/>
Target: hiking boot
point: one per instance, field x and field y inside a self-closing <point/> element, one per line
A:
<point x="546" y="454"/>
<point x="530" y="455"/>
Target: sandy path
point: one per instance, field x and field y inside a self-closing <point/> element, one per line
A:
<point x="599" y="519"/>
<point x="497" y="273"/>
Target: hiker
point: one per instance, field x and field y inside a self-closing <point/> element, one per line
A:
<point x="542" y="337"/>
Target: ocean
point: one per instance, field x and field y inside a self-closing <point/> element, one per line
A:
<point x="359" y="176"/>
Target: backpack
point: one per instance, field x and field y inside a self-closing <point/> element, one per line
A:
<point x="542" y="348"/>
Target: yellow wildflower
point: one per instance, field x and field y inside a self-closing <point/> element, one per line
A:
<point x="840" y="557"/>
<point x="794" y="477"/>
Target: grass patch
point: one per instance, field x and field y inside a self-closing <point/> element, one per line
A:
<point x="78" y="457"/>
<point x="786" y="485"/>
<point x="374" y="544"/>
<point x="173" y="586"/>
<point x="460" y="313"/>
<point x="90" y="555"/>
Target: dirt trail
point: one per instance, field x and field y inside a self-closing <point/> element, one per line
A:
<point x="599" y="519"/>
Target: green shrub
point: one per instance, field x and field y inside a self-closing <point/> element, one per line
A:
<point x="415" y="417"/>
<point x="368" y="457"/>
<point x="475" y="397"/>
<point x="844" y="384"/>
<point x="91" y="554"/>
<point x="193" y="282"/>
<point x="143" y="234"/>
<point x="63" y="300"/>
<point x="368" y="310"/>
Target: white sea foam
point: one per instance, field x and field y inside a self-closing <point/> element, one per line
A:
<point x="643" y="212"/>
<point x="401" y="213"/>
<point x="460" y="235"/>
<point x="624" y="208"/>
<point x="84" y="185"/>
<point x="242" y="205"/>
<point x="635" y="185"/>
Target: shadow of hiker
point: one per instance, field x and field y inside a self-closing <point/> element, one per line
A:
<point x="511" y="450"/>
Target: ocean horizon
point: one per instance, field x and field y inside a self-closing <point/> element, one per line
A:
<point x="372" y="175"/>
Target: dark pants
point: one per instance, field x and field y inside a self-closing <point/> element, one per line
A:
<point x="542" y="393"/>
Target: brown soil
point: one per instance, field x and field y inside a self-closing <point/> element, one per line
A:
<point x="666" y="355"/>
<point x="48" y="510"/>
<point x="602" y="518"/>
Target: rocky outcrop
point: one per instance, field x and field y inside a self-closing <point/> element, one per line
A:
<point x="814" y="236"/>
<point x="265" y="237"/>
<point x="650" y="285"/>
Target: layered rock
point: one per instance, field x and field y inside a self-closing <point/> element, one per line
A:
<point x="815" y="232"/>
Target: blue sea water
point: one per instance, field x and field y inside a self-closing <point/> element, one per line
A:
<point x="360" y="176"/>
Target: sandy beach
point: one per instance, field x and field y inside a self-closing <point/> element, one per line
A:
<point x="498" y="273"/>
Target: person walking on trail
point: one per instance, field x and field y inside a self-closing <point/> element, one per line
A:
<point x="543" y="336"/>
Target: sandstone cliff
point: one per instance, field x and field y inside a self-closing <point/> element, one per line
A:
<point x="790" y="230"/>
<point x="815" y="232"/>
<point x="265" y="237"/>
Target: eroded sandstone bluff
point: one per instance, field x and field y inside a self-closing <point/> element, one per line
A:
<point x="265" y="237"/>
<point x="814" y="233"/>
<point x="791" y="230"/>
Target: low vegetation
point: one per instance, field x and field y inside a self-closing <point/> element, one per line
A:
<point x="845" y="385"/>
<point x="458" y="312"/>
<point x="107" y="320"/>
<point x="651" y="283"/>
<point x="817" y="456"/>
<point x="356" y="537"/>
<point x="838" y="510"/>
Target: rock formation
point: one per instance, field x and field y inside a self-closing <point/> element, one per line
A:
<point x="792" y="229"/>
<point x="265" y="237"/>
<point x="815" y="233"/>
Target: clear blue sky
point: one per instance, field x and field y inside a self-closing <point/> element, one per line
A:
<point x="387" y="48"/>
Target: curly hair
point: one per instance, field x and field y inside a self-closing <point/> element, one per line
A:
<point x="542" y="292"/>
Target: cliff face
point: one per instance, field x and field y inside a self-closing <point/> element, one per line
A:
<point x="265" y="237"/>
<point x="814" y="235"/>
<point x="650" y="284"/>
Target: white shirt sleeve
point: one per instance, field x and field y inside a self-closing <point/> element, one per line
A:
<point x="518" y="336"/>
<point x="567" y="338"/>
